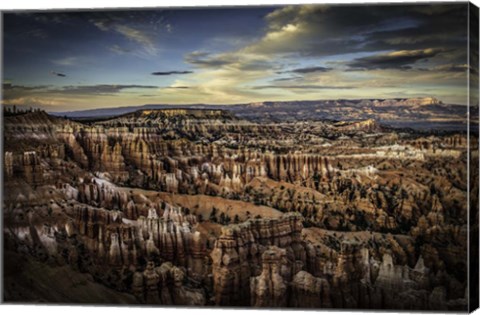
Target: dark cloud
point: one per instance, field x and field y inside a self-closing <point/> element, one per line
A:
<point x="308" y="70"/>
<point x="171" y="72"/>
<point x="58" y="74"/>
<point x="403" y="59"/>
<point x="19" y="88"/>
<point x="318" y="30"/>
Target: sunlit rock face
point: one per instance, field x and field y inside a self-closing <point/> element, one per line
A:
<point x="200" y="207"/>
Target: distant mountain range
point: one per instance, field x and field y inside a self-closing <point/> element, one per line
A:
<point x="418" y="113"/>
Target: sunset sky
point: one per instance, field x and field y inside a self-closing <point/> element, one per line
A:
<point x="81" y="60"/>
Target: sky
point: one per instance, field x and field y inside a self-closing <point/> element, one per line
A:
<point x="63" y="61"/>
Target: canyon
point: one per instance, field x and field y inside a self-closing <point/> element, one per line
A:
<point x="204" y="207"/>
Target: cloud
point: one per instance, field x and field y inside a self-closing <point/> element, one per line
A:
<point x="380" y="40"/>
<point x="136" y="35"/>
<point x="319" y="30"/>
<point x="171" y="72"/>
<point x="67" y="61"/>
<point x="308" y="70"/>
<point x="35" y="33"/>
<point x="287" y="79"/>
<point x="371" y="50"/>
<point x="403" y="59"/>
<point x="58" y="74"/>
<point x="50" y="18"/>
<point x="120" y="50"/>
<point x="24" y="95"/>
<point x="19" y="91"/>
<point x="303" y="87"/>
<point x="236" y="60"/>
<point x="30" y="101"/>
<point x="130" y="26"/>
<point x="97" y="89"/>
<point x="452" y="68"/>
<point x="224" y="78"/>
<point x="138" y="26"/>
<point x="205" y="59"/>
<point x="12" y="87"/>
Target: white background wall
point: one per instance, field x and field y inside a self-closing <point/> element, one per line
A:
<point x="76" y="310"/>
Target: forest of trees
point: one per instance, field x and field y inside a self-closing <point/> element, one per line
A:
<point x="14" y="110"/>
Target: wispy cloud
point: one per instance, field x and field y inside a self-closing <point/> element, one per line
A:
<point x="32" y="101"/>
<point x="403" y="59"/>
<point x="171" y="72"/>
<point x="67" y="61"/>
<point x="302" y="87"/>
<point x="66" y="96"/>
<point x="120" y="50"/>
<point x="35" y="33"/>
<point x="82" y="90"/>
<point x="137" y="35"/>
<point x="177" y="87"/>
<point x="287" y="79"/>
<point x="454" y="68"/>
<point x="98" y="89"/>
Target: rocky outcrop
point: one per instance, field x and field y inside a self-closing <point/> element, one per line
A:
<point x="269" y="289"/>
<point x="8" y="164"/>
<point x="165" y="285"/>
<point x="239" y="250"/>
<point x="308" y="291"/>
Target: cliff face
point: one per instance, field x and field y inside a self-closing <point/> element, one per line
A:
<point x="240" y="248"/>
<point x="194" y="207"/>
<point x="132" y="153"/>
<point x="151" y="230"/>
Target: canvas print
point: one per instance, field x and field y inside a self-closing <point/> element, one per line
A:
<point x="306" y="156"/>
